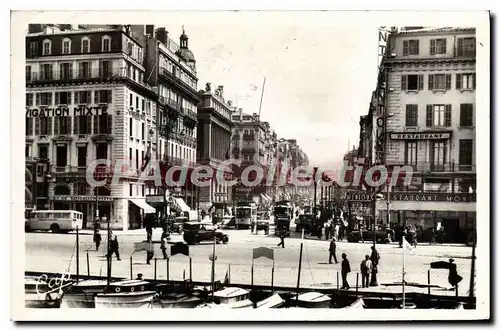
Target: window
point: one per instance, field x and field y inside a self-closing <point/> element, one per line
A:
<point x="83" y="124"/>
<point x="29" y="126"/>
<point x="106" y="44"/>
<point x="43" y="128"/>
<point x="66" y="71"/>
<point x="439" y="82"/>
<point x="63" y="98"/>
<point x="28" y="73"/>
<point x="137" y="103"/>
<point x="83" y="97"/>
<point x="62" y="125"/>
<point x="131" y="100"/>
<point x="104" y="123"/>
<point x="137" y="159"/>
<point x="29" y="99"/>
<point x="103" y="96"/>
<point x="411" y="115"/>
<point x="438" y="46"/>
<point x="438" y="155"/>
<point x="85" y="69"/>
<point x="142" y="131"/>
<point x="131" y="127"/>
<point x="130" y="156"/>
<point x="465" y="155"/>
<point x="102" y="151"/>
<point x="466" y="47"/>
<point x="410" y="47"/>
<point x="438" y="115"/>
<point x="105" y="69"/>
<point x="44" y="99"/>
<point x="33" y="49"/>
<point x="412" y="82"/>
<point x="85" y="45"/>
<point x="46" y="72"/>
<point x="27" y="150"/>
<point x="130" y="189"/>
<point x="66" y="46"/>
<point x="466" y="81"/>
<point x="130" y="49"/>
<point x="142" y="190"/>
<point x="466" y="114"/>
<point x="61" y="156"/>
<point x="47" y="47"/>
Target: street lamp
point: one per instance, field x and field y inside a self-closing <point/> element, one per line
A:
<point x="376" y="197"/>
<point x="166" y="130"/>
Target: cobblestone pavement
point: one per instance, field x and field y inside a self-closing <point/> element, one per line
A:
<point x="49" y="252"/>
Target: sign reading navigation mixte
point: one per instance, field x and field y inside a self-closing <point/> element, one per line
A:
<point x="82" y="110"/>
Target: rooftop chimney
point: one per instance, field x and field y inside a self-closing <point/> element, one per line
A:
<point x="162" y="35"/>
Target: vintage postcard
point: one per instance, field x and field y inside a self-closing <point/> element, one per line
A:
<point x="335" y="163"/>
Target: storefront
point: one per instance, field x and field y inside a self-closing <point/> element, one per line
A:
<point x="85" y="204"/>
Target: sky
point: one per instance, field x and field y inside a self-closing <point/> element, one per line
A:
<point x="319" y="78"/>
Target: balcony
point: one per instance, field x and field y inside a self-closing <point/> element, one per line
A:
<point x="236" y="137"/>
<point x="171" y="78"/>
<point x="248" y="150"/>
<point x="176" y="161"/>
<point x="248" y="137"/>
<point x="190" y="114"/>
<point x="448" y="167"/>
<point x="170" y="103"/>
<point x="44" y="77"/>
<point x="261" y="152"/>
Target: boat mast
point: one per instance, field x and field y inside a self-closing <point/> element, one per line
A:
<point x="108" y="256"/>
<point x="213" y="267"/>
<point x="300" y="267"/>
<point x="77" y="255"/>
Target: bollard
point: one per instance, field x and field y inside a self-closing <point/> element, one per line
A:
<point x="155" y="266"/>
<point x="131" y="272"/>
<point x="88" y="264"/>
<point x="357" y="281"/>
<point x="429" y="282"/>
<point x="338" y="288"/>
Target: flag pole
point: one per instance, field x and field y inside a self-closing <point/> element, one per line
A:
<point x="262" y="96"/>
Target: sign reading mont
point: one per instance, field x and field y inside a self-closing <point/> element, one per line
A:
<point x="433" y="197"/>
<point x="66" y="111"/>
<point x="420" y="135"/>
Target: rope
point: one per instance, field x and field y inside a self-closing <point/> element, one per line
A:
<point x="71" y="259"/>
<point x="309" y="264"/>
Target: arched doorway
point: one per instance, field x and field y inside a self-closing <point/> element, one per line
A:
<point x="63" y="190"/>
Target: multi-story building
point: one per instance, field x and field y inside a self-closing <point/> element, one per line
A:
<point x="171" y="68"/>
<point x="248" y="143"/>
<point x="425" y="105"/>
<point x="214" y="138"/>
<point x="87" y="99"/>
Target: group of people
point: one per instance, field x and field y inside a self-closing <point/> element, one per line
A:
<point x="368" y="267"/>
<point x="114" y="247"/>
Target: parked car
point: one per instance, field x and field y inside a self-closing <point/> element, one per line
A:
<point x="304" y="221"/>
<point x="380" y="235"/>
<point x="263" y="225"/>
<point x="178" y="224"/>
<point x="196" y="232"/>
<point x="228" y="222"/>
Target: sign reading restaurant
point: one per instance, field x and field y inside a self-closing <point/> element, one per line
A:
<point x="415" y="197"/>
<point x="66" y="111"/>
<point x="420" y="135"/>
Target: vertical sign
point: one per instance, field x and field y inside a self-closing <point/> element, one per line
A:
<point x="383" y="35"/>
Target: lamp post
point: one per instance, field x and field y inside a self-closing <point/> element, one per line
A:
<point x="166" y="131"/>
<point x="315" y="189"/>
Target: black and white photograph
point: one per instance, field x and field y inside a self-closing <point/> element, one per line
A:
<point x="306" y="162"/>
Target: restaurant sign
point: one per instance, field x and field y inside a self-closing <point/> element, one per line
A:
<point x="420" y="135"/>
<point x="155" y="198"/>
<point x="82" y="198"/>
<point x="433" y="197"/>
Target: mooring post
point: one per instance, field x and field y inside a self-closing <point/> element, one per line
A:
<point x="155" y="266"/>
<point x="429" y="282"/>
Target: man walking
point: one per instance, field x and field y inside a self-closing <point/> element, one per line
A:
<point x="114" y="248"/>
<point x="333" y="251"/>
<point x="149" y="254"/>
<point x="282" y="238"/>
<point x="366" y="269"/>
<point x="346" y="268"/>
<point x="163" y="245"/>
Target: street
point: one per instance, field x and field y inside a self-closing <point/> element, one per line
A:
<point x="48" y="252"/>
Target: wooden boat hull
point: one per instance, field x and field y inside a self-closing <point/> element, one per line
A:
<point x="34" y="300"/>
<point x="274" y="301"/>
<point x="78" y="300"/>
<point x="188" y="302"/>
<point x="142" y="299"/>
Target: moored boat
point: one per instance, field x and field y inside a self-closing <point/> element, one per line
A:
<point x="38" y="294"/>
<point x="274" y="301"/>
<point x="83" y="293"/>
<point x="230" y="297"/>
<point x="312" y="300"/>
<point x="357" y="304"/>
<point x="126" y="294"/>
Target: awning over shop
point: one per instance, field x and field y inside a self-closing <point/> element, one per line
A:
<point x="181" y="204"/>
<point x="264" y="197"/>
<point x="141" y="203"/>
<point x="267" y="197"/>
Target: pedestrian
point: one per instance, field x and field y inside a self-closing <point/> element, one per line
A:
<point x="361" y="233"/>
<point x="139" y="277"/>
<point x="346" y="268"/>
<point x="327" y="231"/>
<point x="114" y="248"/>
<point x="149" y="252"/>
<point x="333" y="251"/>
<point x="375" y="258"/>
<point x="163" y="245"/>
<point x="282" y="238"/>
<point x="97" y="239"/>
<point x="366" y="269"/>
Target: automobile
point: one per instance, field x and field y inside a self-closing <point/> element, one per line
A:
<point x="196" y="232"/>
<point x="263" y="224"/>
<point x="228" y="222"/>
<point x="178" y="224"/>
<point x="304" y="221"/>
<point x="380" y="235"/>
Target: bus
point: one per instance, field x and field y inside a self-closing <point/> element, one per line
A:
<point x="246" y="213"/>
<point x="57" y="221"/>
